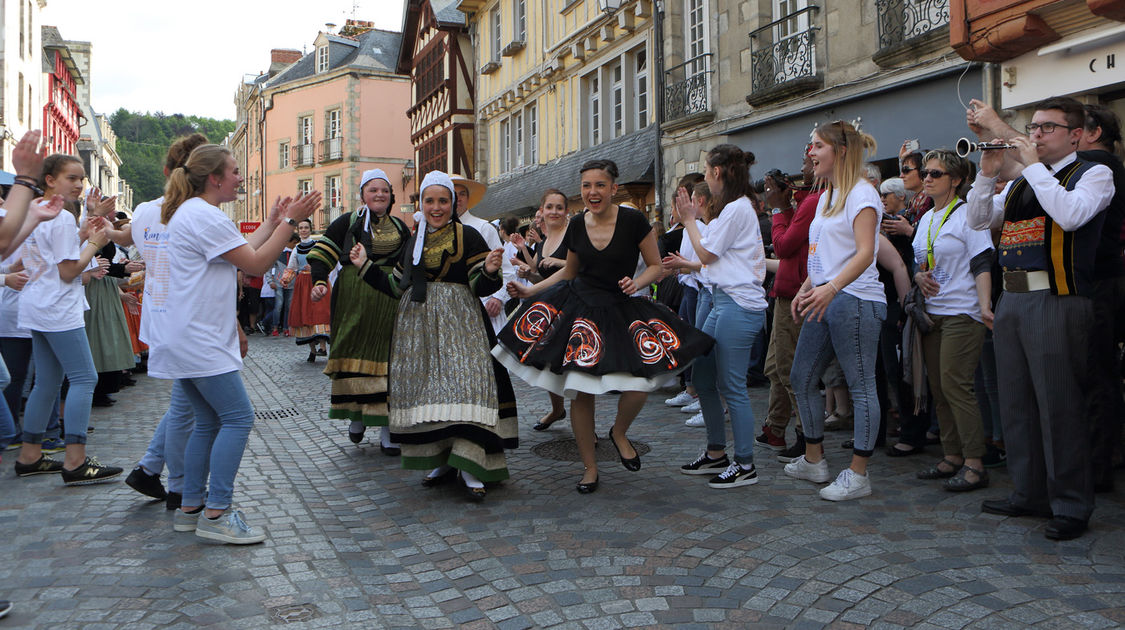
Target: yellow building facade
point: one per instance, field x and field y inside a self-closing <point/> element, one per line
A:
<point x="561" y="82"/>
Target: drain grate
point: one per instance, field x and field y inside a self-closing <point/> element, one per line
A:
<point x="293" y="613"/>
<point x="566" y="450"/>
<point x="276" y="414"/>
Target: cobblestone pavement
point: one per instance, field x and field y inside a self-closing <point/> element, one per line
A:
<point x="354" y="541"/>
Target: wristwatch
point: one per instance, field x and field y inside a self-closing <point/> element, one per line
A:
<point x="290" y="221"/>
<point x="776" y="211"/>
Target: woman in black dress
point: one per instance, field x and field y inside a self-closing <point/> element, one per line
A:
<point x="560" y="340"/>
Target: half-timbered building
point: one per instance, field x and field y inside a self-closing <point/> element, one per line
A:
<point x="437" y="54"/>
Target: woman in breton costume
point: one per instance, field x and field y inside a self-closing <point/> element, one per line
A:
<point x="362" y="318"/>
<point x="452" y="408"/>
<point x="309" y="321"/>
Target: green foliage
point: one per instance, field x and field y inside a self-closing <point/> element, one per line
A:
<point x="143" y="141"/>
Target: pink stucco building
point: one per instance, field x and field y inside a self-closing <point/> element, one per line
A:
<point x="317" y="121"/>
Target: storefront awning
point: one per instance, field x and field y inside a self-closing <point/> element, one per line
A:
<point x="928" y="109"/>
<point x="519" y="194"/>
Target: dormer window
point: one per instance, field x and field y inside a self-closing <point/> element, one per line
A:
<point x="322" y="58"/>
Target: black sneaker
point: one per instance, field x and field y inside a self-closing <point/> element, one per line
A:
<point x="994" y="457"/>
<point x="734" y="476"/>
<point x="704" y="465"/>
<point x="173" y="501"/>
<point x="5" y="607"/>
<point x="45" y="466"/>
<point x="146" y="484"/>
<point x="90" y="472"/>
<point x="793" y="452"/>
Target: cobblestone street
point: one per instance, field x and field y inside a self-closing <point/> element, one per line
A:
<point x="355" y="541"/>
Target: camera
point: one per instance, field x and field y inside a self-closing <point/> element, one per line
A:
<point x="781" y="179"/>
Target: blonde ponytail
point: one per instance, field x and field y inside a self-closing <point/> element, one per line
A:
<point x="848" y="169"/>
<point x="190" y="180"/>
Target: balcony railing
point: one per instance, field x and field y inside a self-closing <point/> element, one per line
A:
<point x="687" y="88"/>
<point x="903" y="20"/>
<point x="306" y="155"/>
<point x="331" y="149"/>
<point x="784" y="50"/>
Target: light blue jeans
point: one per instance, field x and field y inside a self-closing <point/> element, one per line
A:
<point x="170" y="439"/>
<point x="723" y="371"/>
<point x="223" y="418"/>
<point x="7" y="422"/>
<point x="851" y="327"/>
<point x="58" y="354"/>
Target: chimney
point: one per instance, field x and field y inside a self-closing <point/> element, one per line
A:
<point x="354" y="28"/>
<point x="281" y="57"/>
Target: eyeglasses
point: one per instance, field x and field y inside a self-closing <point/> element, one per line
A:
<point x="1046" y="127"/>
<point x="936" y="174"/>
<point x="906" y="169"/>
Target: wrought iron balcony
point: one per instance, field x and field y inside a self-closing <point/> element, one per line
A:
<point x="687" y="88"/>
<point x="903" y="20"/>
<point x="332" y="149"/>
<point x="783" y="56"/>
<point x="306" y="155"/>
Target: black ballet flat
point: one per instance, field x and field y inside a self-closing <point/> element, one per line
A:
<point x="390" y="451"/>
<point x="543" y="426"/>
<point x="430" y="482"/>
<point x="587" y="488"/>
<point x="634" y="463"/>
<point x="312" y="357"/>
<point x="476" y="495"/>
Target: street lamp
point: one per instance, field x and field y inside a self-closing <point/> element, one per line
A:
<point x="407" y="172"/>
<point x="609" y="7"/>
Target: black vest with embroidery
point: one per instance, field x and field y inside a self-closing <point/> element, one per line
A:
<point x="1032" y="241"/>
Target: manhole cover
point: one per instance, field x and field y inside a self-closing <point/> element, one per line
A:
<point x="293" y="613"/>
<point x="276" y="414"/>
<point x="566" y="450"/>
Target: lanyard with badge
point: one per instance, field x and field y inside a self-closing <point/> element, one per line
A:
<point x="931" y="236"/>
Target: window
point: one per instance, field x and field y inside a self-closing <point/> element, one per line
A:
<point x="519" y="20"/>
<point x="505" y="146"/>
<point x="618" y="91"/>
<point x="494" y="20"/>
<point x="333" y="125"/>
<point x="533" y="134"/>
<point x="334" y="191"/>
<point x="23" y="37"/>
<point x="640" y="88"/>
<point x="305" y="129"/>
<point x="322" y="58"/>
<point x="794" y="25"/>
<point x="432" y="155"/>
<point x="517" y="133"/>
<point x="429" y="73"/>
<point x="304" y="186"/>
<point x="30" y="17"/>
<point x="695" y="37"/>
<point x="20" y="109"/>
<point x="283" y="155"/>
<point x="595" y="106"/>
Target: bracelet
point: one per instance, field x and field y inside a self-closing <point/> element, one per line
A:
<point x="30" y="185"/>
<point x="833" y="285"/>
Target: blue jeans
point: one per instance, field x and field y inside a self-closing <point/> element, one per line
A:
<point x="269" y="307"/>
<point x="851" y="327"/>
<point x="7" y="423"/>
<point x="223" y="417"/>
<point x="170" y="439"/>
<point x="723" y="371"/>
<point x="688" y="303"/>
<point x="57" y="354"/>
<point x="281" y="304"/>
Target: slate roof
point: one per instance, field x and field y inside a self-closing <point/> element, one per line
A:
<point x="373" y="50"/>
<point x="446" y="12"/>
<point x="635" y="155"/>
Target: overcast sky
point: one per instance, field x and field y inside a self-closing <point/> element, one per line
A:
<point x="188" y="57"/>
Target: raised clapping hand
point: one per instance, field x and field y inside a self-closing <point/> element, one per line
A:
<point x="279" y="205"/>
<point x="517" y="240"/>
<point x="302" y="207"/>
<point x="684" y="207"/>
<point x="133" y="266"/>
<point x="47" y="211"/>
<point x="16" y="281"/>
<point x="494" y="260"/>
<point x="778" y="196"/>
<point x="673" y="262"/>
<point x="27" y="157"/>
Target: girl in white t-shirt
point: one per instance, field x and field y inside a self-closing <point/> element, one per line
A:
<point x="843" y="306"/>
<point x="955" y="276"/>
<point x="51" y="306"/>
<point x="197" y="342"/>
<point x="736" y="264"/>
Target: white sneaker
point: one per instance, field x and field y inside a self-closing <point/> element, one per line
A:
<point x="691" y="407"/>
<point x="696" y="420"/>
<point x="229" y="528"/>
<point x="801" y="468"/>
<point x="680" y="399"/>
<point x="848" y="485"/>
